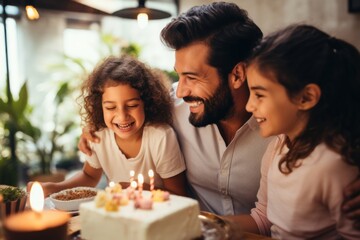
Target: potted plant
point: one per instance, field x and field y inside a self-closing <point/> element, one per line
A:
<point x="12" y="200"/>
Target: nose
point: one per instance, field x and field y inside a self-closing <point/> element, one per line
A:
<point x="182" y="89"/>
<point x="249" y="105"/>
<point x="121" y="114"/>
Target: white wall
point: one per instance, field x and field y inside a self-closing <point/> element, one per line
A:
<point x="331" y="16"/>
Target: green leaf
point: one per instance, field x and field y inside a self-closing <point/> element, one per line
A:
<point x="20" y="105"/>
<point x="132" y="49"/>
<point x="27" y="128"/>
<point x="63" y="91"/>
<point x="4" y="107"/>
<point x="12" y="193"/>
<point x="69" y="126"/>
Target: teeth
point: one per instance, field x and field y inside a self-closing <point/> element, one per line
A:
<point x="123" y="125"/>
<point x="259" y="120"/>
<point x="194" y="104"/>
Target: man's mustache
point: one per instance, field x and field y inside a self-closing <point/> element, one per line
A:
<point x="192" y="99"/>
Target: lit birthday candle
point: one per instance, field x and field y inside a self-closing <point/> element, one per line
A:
<point x="131" y="190"/>
<point x="133" y="184"/>
<point x="151" y="176"/>
<point x="109" y="188"/>
<point x="132" y="174"/>
<point x="140" y="183"/>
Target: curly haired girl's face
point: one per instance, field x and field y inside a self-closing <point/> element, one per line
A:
<point x="123" y="111"/>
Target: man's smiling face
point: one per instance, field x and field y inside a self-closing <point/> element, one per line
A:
<point x="200" y="86"/>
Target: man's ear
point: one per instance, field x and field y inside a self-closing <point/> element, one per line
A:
<point x="238" y="75"/>
<point x="309" y="96"/>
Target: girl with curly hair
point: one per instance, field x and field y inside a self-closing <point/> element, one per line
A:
<point x="128" y="106"/>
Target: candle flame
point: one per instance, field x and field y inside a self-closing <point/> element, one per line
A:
<point x="151" y="173"/>
<point x="36" y="197"/>
<point x="132" y="173"/>
<point x="140" y="179"/>
<point x="111" y="184"/>
<point x="133" y="184"/>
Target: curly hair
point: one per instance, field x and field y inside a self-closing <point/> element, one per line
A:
<point x="299" y="55"/>
<point x="224" y="27"/>
<point x="126" y="70"/>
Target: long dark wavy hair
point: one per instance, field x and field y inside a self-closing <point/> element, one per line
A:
<point x="224" y="27"/>
<point x="150" y="84"/>
<point x="299" y="55"/>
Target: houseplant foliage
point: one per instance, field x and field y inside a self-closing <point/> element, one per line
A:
<point x="13" y="115"/>
<point x="20" y="134"/>
<point x="46" y="144"/>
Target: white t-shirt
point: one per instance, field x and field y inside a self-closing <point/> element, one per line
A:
<point x="224" y="179"/>
<point x="159" y="151"/>
<point x="305" y="204"/>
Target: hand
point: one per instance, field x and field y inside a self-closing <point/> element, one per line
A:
<point x="351" y="204"/>
<point x="87" y="135"/>
<point x="45" y="186"/>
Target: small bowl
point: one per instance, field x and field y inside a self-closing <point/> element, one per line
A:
<point x="71" y="205"/>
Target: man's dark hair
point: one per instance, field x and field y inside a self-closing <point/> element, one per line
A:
<point x="224" y="27"/>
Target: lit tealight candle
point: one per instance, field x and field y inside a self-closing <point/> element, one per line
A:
<point x="37" y="224"/>
<point x="140" y="183"/>
<point x="151" y="176"/>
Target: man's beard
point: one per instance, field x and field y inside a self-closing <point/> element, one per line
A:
<point x="216" y="108"/>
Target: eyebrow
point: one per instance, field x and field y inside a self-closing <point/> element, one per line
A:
<point x="129" y="100"/>
<point x="186" y="73"/>
<point x="258" y="88"/>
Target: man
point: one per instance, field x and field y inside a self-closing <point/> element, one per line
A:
<point x="219" y="139"/>
<point x="223" y="152"/>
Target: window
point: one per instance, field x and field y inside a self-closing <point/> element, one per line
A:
<point x="13" y="61"/>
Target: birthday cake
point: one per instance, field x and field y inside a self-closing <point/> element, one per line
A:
<point x="116" y="214"/>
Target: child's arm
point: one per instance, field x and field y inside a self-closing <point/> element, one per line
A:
<point x="88" y="177"/>
<point x="176" y="184"/>
<point x="257" y="222"/>
<point x="351" y="204"/>
<point x="244" y="222"/>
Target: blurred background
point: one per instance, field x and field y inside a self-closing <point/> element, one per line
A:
<point x="48" y="47"/>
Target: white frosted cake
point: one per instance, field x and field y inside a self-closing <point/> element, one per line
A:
<point x="175" y="218"/>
